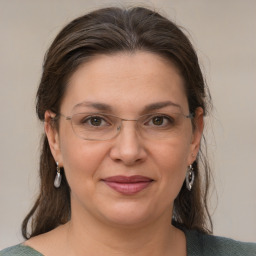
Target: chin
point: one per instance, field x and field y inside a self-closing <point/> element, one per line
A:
<point x="129" y="215"/>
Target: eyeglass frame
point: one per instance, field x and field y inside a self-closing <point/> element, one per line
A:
<point x="69" y="118"/>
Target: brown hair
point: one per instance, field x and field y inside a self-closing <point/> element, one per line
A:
<point x="108" y="31"/>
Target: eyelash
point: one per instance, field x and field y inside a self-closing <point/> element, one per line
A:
<point x="89" y="118"/>
<point x="167" y="118"/>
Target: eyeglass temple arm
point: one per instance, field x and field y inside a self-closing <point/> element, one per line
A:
<point x="190" y="115"/>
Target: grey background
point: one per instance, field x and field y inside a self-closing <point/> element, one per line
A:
<point x="223" y="33"/>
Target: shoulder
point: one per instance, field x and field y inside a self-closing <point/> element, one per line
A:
<point x="19" y="250"/>
<point x="203" y="244"/>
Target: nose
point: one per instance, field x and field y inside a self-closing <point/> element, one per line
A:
<point x="128" y="147"/>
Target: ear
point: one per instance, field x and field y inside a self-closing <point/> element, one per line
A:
<point x="198" y="128"/>
<point x="53" y="136"/>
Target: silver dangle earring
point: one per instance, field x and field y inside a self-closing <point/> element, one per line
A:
<point x="58" y="177"/>
<point x="190" y="177"/>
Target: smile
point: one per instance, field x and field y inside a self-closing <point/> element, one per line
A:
<point x="128" y="185"/>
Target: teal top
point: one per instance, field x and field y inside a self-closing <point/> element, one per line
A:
<point x="20" y="250"/>
<point x="198" y="244"/>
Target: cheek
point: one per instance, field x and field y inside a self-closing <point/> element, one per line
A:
<point x="81" y="160"/>
<point x="174" y="153"/>
<point x="171" y="159"/>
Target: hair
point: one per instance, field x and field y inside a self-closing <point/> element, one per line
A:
<point x="109" y="31"/>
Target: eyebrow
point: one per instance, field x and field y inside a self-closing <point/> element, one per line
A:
<point x="105" y="107"/>
<point x="96" y="105"/>
<point x="159" y="105"/>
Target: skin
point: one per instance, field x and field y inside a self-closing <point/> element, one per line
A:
<point x="103" y="221"/>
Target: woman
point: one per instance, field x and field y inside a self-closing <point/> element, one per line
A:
<point x="123" y="101"/>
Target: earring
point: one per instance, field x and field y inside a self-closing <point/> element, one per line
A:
<point x="190" y="177"/>
<point x="58" y="177"/>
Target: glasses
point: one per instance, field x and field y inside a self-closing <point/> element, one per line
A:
<point x="100" y="126"/>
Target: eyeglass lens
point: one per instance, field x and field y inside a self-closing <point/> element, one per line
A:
<point x="97" y="126"/>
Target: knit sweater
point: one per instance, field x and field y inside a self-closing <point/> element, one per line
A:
<point x="198" y="244"/>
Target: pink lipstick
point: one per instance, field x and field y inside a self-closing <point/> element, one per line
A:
<point x="128" y="185"/>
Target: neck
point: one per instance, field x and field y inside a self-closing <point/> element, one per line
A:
<point x="88" y="236"/>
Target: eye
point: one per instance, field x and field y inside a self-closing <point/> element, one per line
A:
<point x="95" y="121"/>
<point x="160" y="120"/>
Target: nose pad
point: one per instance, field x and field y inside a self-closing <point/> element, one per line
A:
<point x="118" y="129"/>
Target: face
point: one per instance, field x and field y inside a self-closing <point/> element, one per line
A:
<point x="129" y="179"/>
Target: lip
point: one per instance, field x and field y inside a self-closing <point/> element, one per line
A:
<point x="128" y="185"/>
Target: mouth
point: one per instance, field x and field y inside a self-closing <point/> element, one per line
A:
<point x="128" y="185"/>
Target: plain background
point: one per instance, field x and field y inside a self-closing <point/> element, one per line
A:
<point x="223" y="33"/>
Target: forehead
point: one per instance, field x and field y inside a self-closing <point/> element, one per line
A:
<point x="125" y="82"/>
